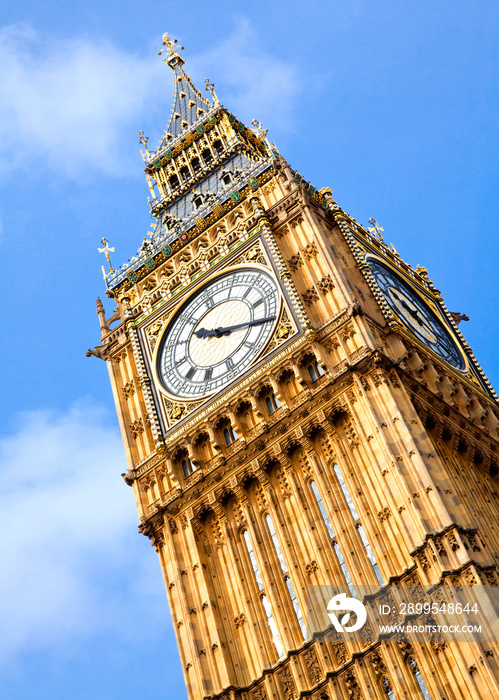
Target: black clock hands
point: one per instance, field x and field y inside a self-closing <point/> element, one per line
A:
<point x="219" y="332"/>
<point x="415" y="313"/>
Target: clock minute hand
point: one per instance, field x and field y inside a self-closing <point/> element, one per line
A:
<point x="219" y="332"/>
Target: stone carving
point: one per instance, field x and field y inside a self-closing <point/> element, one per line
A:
<point x="367" y="635"/>
<point x="470" y="578"/>
<point x="378" y="663"/>
<point x="312" y="664"/>
<point x="326" y="284"/>
<point x="285" y="328"/>
<point x="287" y="683"/>
<point x="177" y="411"/>
<point x="240" y="620"/>
<point x="490" y="578"/>
<point x="451" y="539"/>
<point x="438" y="642"/>
<point x="128" y="390"/>
<point x="152" y="333"/>
<point x="423" y="560"/>
<point x="310" y="296"/>
<point x="353" y="689"/>
<point x="295" y="261"/>
<point x="365" y="384"/>
<point x="339" y="648"/>
<point x="379" y="378"/>
<point x="474" y="541"/>
<point x="310" y="251"/>
<point x="311" y="568"/>
<point x="253" y="255"/>
<point x="136" y="428"/>
<point x="259" y="693"/>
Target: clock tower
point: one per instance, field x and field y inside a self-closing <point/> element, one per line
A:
<point x="306" y="429"/>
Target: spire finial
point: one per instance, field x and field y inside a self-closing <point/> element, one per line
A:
<point x="168" y="43"/>
<point x="376" y="229"/>
<point x="210" y="87"/>
<point x="106" y="250"/>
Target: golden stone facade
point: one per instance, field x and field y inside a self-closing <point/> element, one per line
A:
<point x="349" y="451"/>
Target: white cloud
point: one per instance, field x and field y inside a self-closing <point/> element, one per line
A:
<point x="72" y="562"/>
<point x="71" y="101"/>
<point x="77" y="104"/>
<point x="250" y="80"/>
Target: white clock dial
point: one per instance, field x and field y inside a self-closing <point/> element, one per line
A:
<point x="218" y="333"/>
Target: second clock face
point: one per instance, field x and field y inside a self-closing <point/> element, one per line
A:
<point x="422" y="321"/>
<point x="218" y="333"/>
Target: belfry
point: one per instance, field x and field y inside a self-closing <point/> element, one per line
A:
<point x="311" y="442"/>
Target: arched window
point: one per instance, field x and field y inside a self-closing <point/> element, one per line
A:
<point x="266" y="605"/>
<point x="198" y="201"/>
<point x="419" y="678"/>
<point x="363" y="537"/>
<point x="315" y="371"/>
<point x="272" y="403"/>
<point x="195" y="165"/>
<point x="230" y="435"/>
<point x="188" y="467"/>
<point x="218" y="147"/>
<point x="173" y="182"/>
<point x="226" y="178"/>
<point x="184" y="173"/>
<point x="287" y="579"/>
<point x="206" y="156"/>
<point x="388" y="689"/>
<point x="336" y="546"/>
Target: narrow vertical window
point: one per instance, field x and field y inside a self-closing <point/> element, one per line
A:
<point x="313" y="373"/>
<point x="388" y="689"/>
<point x="252" y="557"/>
<point x="362" y="534"/>
<point x="266" y="605"/>
<point x="289" y="583"/>
<point x="272" y="403"/>
<point x="336" y="546"/>
<point x="419" y="678"/>
<point x="273" y="627"/>
<point x="188" y="467"/>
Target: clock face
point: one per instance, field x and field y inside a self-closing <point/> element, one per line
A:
<point x="422" y="321"/>
<point x="218" y="333"/>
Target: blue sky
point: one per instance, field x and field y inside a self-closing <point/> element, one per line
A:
<point x="394" y="105"/>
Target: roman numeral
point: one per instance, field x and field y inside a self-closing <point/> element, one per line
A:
<point x="207" y="375"/>
<point x="229" y="363"/>
<point x="190" y="373"/>
<point x="257" y="303"/>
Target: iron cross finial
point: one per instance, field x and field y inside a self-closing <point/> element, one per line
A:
<point x="106" y="250"/>
<point x="167" y="41"/>
<point x="210" y="87"/>
<point x="143" y="139"/>
<point x="376" y="229"/>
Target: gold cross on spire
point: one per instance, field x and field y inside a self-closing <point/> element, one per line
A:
<point x="106" y="250"/>
<point x="169" y="45"/>
<point x="143" y="139"/>
<point x="376" y="229"/>
<point x="210" y="87"/>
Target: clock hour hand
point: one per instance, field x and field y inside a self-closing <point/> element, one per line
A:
<point x="219" y="332"/>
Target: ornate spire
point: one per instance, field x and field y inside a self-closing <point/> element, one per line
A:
<point x="189" y="105"/>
